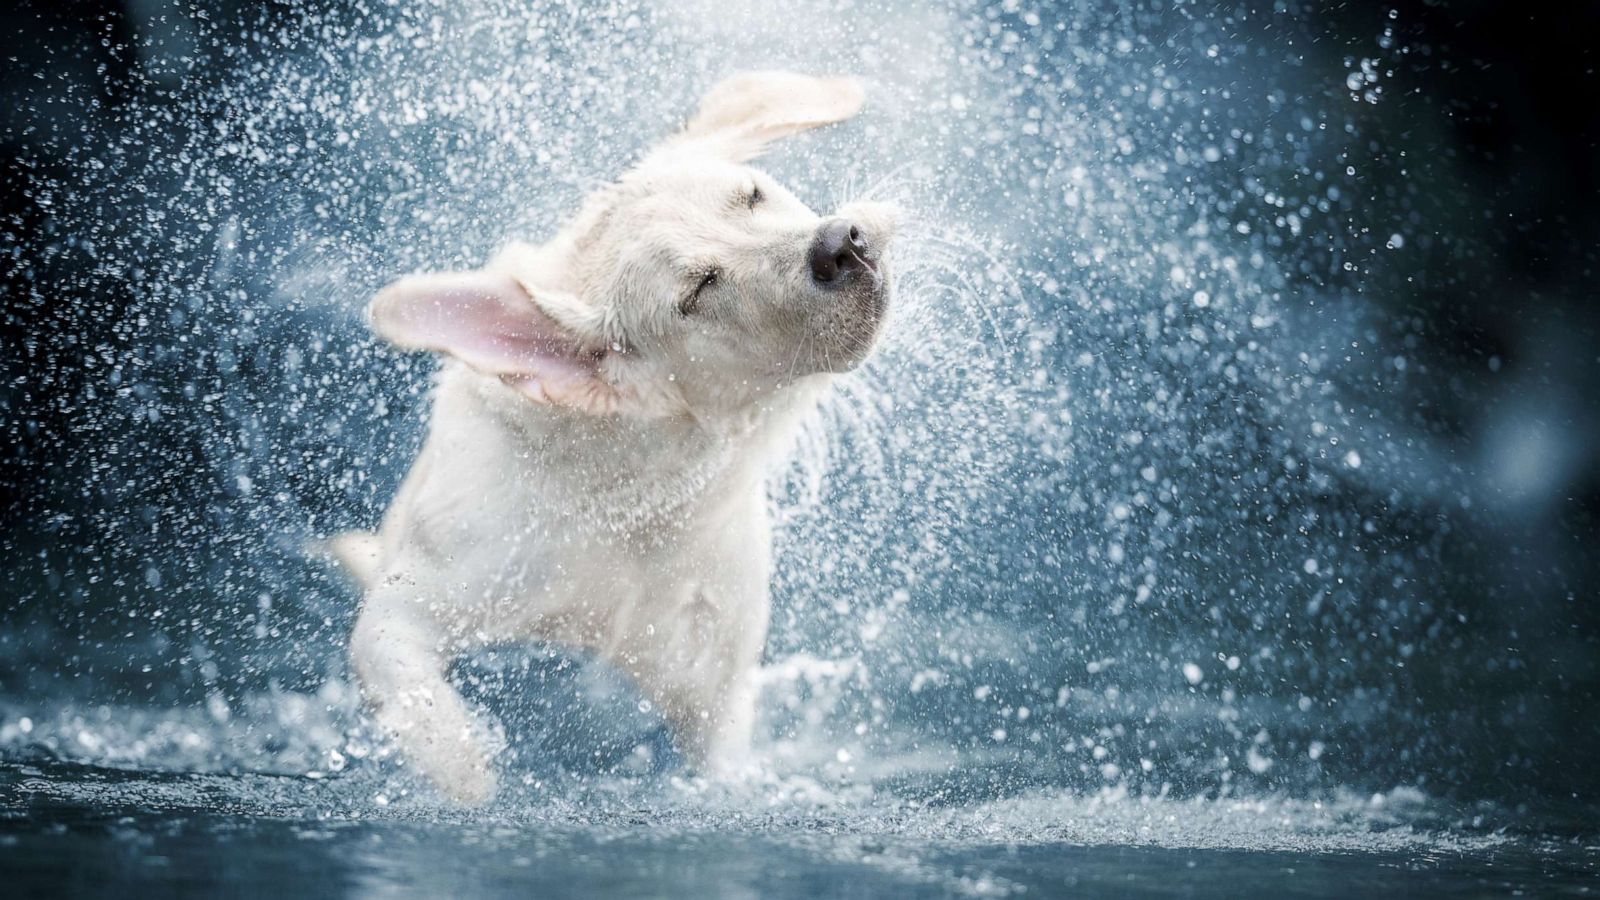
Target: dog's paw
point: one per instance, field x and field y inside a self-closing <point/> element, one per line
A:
<point x="471" y="783"/>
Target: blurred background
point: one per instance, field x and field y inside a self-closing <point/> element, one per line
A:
<point x="1238" y="433"/>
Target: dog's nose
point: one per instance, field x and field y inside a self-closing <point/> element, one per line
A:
<point x="838" y="252"/>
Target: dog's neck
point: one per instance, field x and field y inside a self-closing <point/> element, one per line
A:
<point x="628" y="475"/>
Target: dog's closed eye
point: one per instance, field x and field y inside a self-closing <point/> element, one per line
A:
<point x="690" y="304"/>
<point x="745" y="199"/>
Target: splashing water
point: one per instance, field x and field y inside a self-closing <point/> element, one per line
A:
<point x="1122" y="538"/>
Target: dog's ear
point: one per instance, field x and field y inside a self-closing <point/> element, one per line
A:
<point x="550" y="349"/>
<point x="743" y="114"/>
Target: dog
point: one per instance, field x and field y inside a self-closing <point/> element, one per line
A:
<point x="609" y="405"/>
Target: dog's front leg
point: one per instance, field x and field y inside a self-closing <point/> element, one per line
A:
<point x="400" y="662"/>
<point x="712" y="728"/>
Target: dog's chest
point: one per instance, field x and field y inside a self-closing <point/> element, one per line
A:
<point x="522" y="564"/>
<point x="620" y="547"/>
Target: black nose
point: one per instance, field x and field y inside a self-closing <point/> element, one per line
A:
<point x="838" y="252"/>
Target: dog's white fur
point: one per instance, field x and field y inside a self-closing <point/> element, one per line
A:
<point x="602" y="428"/>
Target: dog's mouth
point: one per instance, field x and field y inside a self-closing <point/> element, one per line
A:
<point x="858" y="318"/>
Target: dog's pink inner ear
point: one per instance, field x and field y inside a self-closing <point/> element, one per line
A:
<point x="489" y="321"/>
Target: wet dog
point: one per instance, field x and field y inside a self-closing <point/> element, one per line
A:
<point x="609" y="405"/>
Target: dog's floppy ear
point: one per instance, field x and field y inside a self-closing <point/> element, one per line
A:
<point x="492" y="323"/>
<point x="742" y="114"/>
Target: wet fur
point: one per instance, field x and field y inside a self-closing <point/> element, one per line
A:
<point x="603" y="486"/>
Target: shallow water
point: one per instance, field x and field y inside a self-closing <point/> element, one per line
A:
<point x="111" y="832"/>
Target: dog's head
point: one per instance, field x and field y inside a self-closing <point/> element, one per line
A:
<point x="693" y="284"/>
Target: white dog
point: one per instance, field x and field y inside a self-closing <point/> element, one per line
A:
<point x="609" y="406"/>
